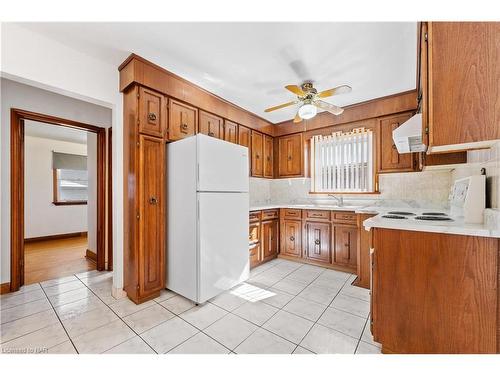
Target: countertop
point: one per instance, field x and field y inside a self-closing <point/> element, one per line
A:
<point x="490" y="228"/>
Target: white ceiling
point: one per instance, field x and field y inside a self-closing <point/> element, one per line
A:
<point x="59" y="133"/>
<point x="249" y="63"/>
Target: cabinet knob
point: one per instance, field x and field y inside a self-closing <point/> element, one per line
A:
<point x="289" y="157"/>
<point x="257" y="156"/>
<point x="268" y="158"/>
<point x="346" y="245"/>
<point x="153" y="200"/>
<point x="317" y="242"/>
<point x="152" y="116"/>
<point x="292" y="238"/>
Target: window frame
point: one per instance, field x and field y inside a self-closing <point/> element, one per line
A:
<point x="375" y="162"/>
<point x="55" y="198"/>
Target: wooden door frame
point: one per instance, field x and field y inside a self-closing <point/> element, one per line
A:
<point x="110" y="200"/>
<point x="17" y="117"/>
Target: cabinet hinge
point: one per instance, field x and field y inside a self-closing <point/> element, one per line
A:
<point x="427" y="130"/>
<point x="137" y="287"/>
<point x="425" y="37"/>
<point x="137" y="216"/>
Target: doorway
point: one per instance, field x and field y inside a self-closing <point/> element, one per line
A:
<point x="74" y="241"/>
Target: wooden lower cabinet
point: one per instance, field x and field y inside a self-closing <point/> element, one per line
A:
<point x="291" y="238"/>
<point x="270" y="235"/>
<point x="435" y="292"/>
<point x="345" y="245"/>
<point x="317" y="241"/>
<point x="263" y="236"/>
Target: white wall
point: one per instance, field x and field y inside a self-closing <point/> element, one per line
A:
<point x="42" y="62"/>
<point x="42" y="218"/>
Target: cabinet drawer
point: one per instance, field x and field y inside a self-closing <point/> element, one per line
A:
<point x="254" y="216"/>
<point x="322" y="215"/>
<point x="291" y="213"/>
<point x="270" y="214"/>
<point x="344" y="217"/>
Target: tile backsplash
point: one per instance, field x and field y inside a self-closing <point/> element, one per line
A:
<point x="430" y="188"/>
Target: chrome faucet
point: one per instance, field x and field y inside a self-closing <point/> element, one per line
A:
<point x="340" y="200"/>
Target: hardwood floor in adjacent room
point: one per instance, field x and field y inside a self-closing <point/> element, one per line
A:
<point x="51" y="259"/>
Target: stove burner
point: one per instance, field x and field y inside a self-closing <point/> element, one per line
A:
<point x="401" y="213"/>
<point x="434" y="213"/>
<point x="433" y="218"/>
<point x="394" y="217"/>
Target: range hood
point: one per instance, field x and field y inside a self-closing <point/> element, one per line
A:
<point x="408" y="136"/>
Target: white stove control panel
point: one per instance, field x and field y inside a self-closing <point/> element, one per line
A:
<point x="468" y="198"/>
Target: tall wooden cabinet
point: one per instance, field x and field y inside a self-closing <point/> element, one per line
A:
<point x="145" y="206"/>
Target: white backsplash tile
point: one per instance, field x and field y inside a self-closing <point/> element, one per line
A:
<point x="427" y="188"/>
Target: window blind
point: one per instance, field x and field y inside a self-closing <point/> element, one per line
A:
<point x="61" y="160"/>
<point x="342" y="162"/>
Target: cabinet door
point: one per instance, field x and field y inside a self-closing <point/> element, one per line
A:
<point x="183" y="120"/>
<point x="291" y="238"/>
<point x="257" y="152"/>
<point x="230" y="131"/>
<point x="244" y="136"/>
<point x="268" y="156"/>
<point x="317" y="241"/>
<point x="211" y="125"/>
<point x="290" y="151"/>
<point x="151" y="190"/>
<point x="269" y="239"/>
<point x="346" y="245"/>
<point x="464" y="76"/>
<point x="390" y="159"/>
<point x="255" y="252"/>
<point x="151" y="113"/>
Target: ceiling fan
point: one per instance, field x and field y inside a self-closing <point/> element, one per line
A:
<point x="310" y="100"/>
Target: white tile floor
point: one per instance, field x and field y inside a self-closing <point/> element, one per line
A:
<point x="285" y="307"/>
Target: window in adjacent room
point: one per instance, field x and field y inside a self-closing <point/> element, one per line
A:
<point x="343" y="162"/>
<point x="70" y="178"/>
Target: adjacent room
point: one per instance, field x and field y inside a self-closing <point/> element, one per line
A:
<point x="60" y="201"/>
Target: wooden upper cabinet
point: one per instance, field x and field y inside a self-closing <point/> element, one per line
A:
<point x="230" y="131"/>
<point x="291" y="238"/>
<point x="183" y="120"/>
<point x="151" y="214"/>
<point x="317" y="241"/>
<point x="291" y="154"/>
<point x="390" y="160"/>
<point x="345" y="245"/>
<point x="211" y="125"/>
<point x="463" y="84"/>
<point x="268" y="156"/>
<point x="270" y="233"/>
<point x="244" y="136"/>
<point x="152" y="119"/>
<point x="257" y="154"/>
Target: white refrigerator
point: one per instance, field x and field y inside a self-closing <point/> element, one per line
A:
<point x="207" y="221"/>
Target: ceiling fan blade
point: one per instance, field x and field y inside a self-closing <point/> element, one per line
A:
<point x="295" y="89"/>
<point x="336" y="110"/>
<point x="280" y="106"/>
<point x="336" y="90"/>
<point x="297" y="118"/>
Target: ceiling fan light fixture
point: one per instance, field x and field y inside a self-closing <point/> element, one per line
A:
<point x="307" y="111"/>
